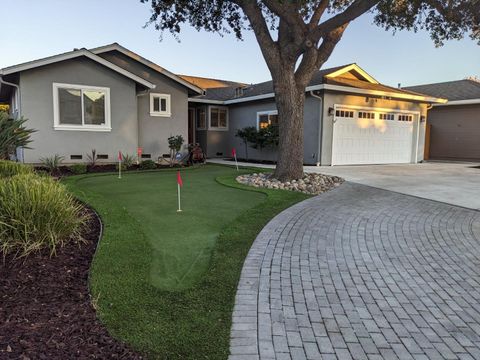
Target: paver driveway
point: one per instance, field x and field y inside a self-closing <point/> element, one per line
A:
<point x="362" y="273"/>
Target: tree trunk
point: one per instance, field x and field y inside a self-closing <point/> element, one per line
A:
<point x="290" y="100"/>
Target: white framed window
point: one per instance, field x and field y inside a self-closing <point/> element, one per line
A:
<point x="81" y="107"/>
<point x="366" y="115"/>
<point x="266" y="118"/>
<point x="202" y="119"/>
<point x="160" y="105"/>
<point x="344" y="113"/>
<point x="385" y="116"/>
<point x="218" y="118"/>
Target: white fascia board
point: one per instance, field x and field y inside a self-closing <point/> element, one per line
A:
<point x="357" y="69"/>
<point x="147" y="63"/>
<point x="460" y="102"/>
<point x="206" y="101"/>
<point x="72" y="55"/>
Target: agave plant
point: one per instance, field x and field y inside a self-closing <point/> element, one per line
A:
<point x="52" y="163"/>
<point x="13" y="134"/>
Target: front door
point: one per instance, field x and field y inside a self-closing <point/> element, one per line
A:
<point x="191" y="125"/>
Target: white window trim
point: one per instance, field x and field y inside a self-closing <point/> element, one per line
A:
<point x="217" y="128"/>
<point x="197" y="117"/>
<point x="269" y="112"/>
<point x="56" y="109"/>
<point x="168" y="111"/>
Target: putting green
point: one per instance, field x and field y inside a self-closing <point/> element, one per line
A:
<point x="180" y="243"/>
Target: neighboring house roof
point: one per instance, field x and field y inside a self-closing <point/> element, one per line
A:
<point x="208" y="83"/>
<point x="457" y="92"/>
<point x="72" y="55"/>
<point x="146" y="62"/>
<point x="346" y="78"/>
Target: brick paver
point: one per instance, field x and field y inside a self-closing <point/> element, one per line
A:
<point x="362" y="273"/>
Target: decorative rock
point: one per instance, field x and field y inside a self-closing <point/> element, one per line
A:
<point x="313" y="184"/>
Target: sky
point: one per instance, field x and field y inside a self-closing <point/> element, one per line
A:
<point x="35" y="29"/>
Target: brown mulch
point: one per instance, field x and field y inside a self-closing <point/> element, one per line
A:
<point x="46" y="310"/>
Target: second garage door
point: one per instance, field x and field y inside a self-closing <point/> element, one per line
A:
<point x="369" y="136"/>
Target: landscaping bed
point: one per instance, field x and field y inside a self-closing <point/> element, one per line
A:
<point x="45" y="308"/>
<point x="310" y="183"/>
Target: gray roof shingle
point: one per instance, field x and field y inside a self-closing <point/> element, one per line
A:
<point x="451" y="90"/>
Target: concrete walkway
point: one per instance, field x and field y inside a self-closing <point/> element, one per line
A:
<point x="362" y="273"/>
<point x="452" y="183"/>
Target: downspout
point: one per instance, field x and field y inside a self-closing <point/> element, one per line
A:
<point x="320" y="125"/>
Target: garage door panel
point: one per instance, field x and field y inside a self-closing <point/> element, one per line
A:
<point x="372" y="141"/>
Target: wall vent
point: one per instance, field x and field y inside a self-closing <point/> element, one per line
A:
<point x="76" y="157"/>
<point x="146" y="156"/>
<point x="102" y="156"/>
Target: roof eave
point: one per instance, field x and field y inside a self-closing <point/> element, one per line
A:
<point x="148" y="63"/>
<point x="72" y="55"/>
<point x="460" y="102"/>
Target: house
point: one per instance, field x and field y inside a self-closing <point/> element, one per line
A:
<point x="454" y="127"/>
<point x="350" y="118"/>
<point x="111" y="99"/>
<point x="108" y="98"/>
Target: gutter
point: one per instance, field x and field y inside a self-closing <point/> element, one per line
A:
<point x="460" y="102"/>
<point x="320" y="125"/>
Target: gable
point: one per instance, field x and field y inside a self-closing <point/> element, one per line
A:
<point x="354" y="72"/>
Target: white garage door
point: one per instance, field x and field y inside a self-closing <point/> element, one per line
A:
<point x="369" y="136"/>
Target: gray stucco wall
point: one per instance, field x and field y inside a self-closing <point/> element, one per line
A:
<point x="245" y="114"/>
<point x="154" y="130"/>
<point x="455" y="132"/>
<point x="331" y="98"/>
<point x="37" y="106"/>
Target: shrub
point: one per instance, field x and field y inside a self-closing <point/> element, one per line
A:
<point x="78" y="169"/>
<point x="148" y="165"/>
<point x="13" y="134"/>
<point x="10" y="168"/>
<point x="92" y="158"/>
<point x="52" y="163"/>
<point x="128" y="160"/>
<point x="175" y="144"/>
<point x="35" y="213"/>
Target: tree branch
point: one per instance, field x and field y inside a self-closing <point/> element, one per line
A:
<point x="318" y="13"/>
<point x="356" y="9"/>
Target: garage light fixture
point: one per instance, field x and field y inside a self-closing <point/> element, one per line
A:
<point x="330" y="111"/>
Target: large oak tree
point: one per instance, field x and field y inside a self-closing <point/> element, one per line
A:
<point x="297" y="37"/>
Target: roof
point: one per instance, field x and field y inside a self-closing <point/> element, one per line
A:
<point x="146" y="62"/>
<point x="72" y="55"/>
<point x="208" y="83"/>
<point x="452" y="90"/>
<point x="337" y="79"/>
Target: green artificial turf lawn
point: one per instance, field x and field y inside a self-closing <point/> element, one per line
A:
<point x="165" y="282"/>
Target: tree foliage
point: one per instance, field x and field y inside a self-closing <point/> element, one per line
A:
<point x="13" y="134"/>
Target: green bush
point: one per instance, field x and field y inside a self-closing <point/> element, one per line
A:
<point x="128" y="160"/>
<point x="52" y="163"/>
<point x="35" y="213"/>
<point x="78" y="169"/>
<point x="148" y="165"/>
<point x="10" y="168"/>
<point x="13" y="134"/>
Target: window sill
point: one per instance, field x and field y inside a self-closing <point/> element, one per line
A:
<point x="83" y="128"/>
<point x="217" y="129"/>
<point x="160" y="114"/>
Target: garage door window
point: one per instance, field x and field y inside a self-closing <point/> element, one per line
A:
<point x="344" y="113"/>
<point x="389" y="117"/>
<point x="366" y="115"/>
<point x="405" y="118"/>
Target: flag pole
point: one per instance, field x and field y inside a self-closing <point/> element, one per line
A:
<point x="119" y="168"/>
<point x="178" y="193"/>
<point x="236" y="162"/>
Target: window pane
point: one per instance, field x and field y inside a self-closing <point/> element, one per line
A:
<point x="201" y="119"/>
<point x="214" y="117"/>
<point x="263" y="121"/>
<point x="94" y="104"/>
<point x="156" y="104"/>
<point x="70" y="106"/>
<point x="163" y="104"/>
<point x="223" y="118"/>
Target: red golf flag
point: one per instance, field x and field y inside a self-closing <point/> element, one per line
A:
<point x="179" y="179"/>
<point x="234" y="152"/>
<point x="120" y="156"/>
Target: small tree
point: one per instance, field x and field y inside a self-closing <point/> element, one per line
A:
<point x="248" y="135"/>
<point x="13" y="134"/>
<point x="266" y="137"/>
<point x="175" y="144"/>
